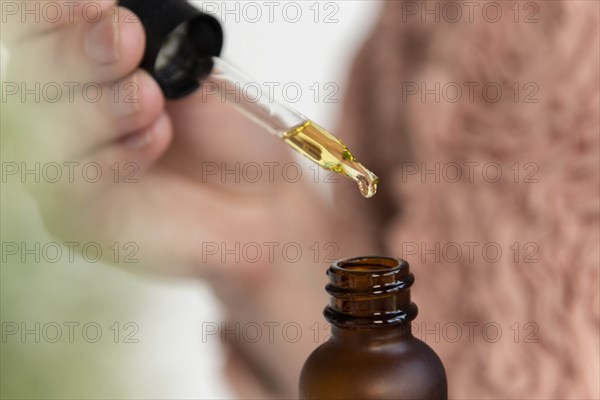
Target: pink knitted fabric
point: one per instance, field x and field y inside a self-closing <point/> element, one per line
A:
<point x="538" y="300"/>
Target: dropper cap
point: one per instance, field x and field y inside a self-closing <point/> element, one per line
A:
<point x="180" y="43"/>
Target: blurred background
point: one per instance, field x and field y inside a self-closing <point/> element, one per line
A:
<point x="81" y="329"/>
<point x="75" y="328"/>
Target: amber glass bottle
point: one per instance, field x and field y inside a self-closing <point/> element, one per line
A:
<point x="372" y="353"/>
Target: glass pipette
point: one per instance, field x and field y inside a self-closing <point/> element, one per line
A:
<point x="299" y="132"/>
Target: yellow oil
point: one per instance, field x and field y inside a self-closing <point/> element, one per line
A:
<point x="326" y="150"/>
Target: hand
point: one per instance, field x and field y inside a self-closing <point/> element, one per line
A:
<point x="149" y="155"/>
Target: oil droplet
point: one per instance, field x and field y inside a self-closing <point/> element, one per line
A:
<point x="367" y="189"/>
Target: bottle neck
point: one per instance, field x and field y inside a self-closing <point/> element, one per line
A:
<point x="370" y="294"/>
<point x="369" y="335"/>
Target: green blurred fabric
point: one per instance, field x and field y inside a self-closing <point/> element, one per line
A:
<point x="58" y="293"/>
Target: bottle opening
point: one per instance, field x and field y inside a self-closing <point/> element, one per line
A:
<point x="370" y="292"/>
<point x="370" y="264"/>
<point x="369" y="274"/>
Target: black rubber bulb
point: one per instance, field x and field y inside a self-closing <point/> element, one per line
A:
<point x="180" y="43"/>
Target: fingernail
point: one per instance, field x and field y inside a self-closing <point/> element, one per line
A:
<point x="126" y="100"/>
<point x="138" y="140"/>
<point x="102" y="40"/>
